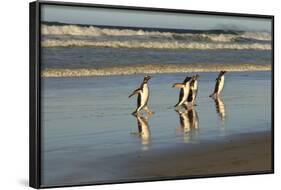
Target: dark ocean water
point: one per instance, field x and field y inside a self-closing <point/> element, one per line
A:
<point x="76" y="47"/>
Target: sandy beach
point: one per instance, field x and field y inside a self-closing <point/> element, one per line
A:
<point x="236" y="154"/>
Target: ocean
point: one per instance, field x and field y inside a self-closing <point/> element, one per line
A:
<point x="89" y="71"/>
<point x="74" y="50"/>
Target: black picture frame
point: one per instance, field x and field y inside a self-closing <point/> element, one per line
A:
<point x="35" y="88"/>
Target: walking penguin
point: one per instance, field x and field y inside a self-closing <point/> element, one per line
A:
<point x="219" y="85"/>
<point x="193" y="90"/>
<point x="143" y="96"/>
<point x="184" y="91"/>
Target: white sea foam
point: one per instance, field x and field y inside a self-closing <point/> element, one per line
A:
<point x="153" y="69"/>
<point x="264" y="36"/>
<point x="153" y="45"/>
<point x="95" y="31"/>
<point x="74" y="30"/>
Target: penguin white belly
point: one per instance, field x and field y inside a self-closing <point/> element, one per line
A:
<point x="195" y="86"/>
<point x="194" y="91"/>
<point x="221" y="84"/>
<point x="144" y="95"/>
<point x="185" y="94"/>
<point x="193" y="96"/>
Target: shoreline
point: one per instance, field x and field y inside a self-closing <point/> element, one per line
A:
<point x="239" y="153"/>
<point x="153" y="69"/>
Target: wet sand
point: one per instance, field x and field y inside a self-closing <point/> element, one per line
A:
<point x="238" y="154"/>
<point x="243" y="153"/>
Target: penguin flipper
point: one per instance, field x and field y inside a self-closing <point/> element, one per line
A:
<point x="137" y="91"/>
<point x="178" y="85"/>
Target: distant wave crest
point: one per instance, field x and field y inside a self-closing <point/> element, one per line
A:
<point x="153" y="69"/>
<point x="153" y="45"/>
<point x="75" y="30"/>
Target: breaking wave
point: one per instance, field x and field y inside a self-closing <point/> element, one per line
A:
<point x="223" y="36"/>
<point x="153" y="45"/>
<point x="153" y="69"/>
<point x="85" y="36"/>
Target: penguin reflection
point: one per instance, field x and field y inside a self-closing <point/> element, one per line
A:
<point x="220" y="107"/>
<point x="143" y="129"/>
<point x="189" y="119"/>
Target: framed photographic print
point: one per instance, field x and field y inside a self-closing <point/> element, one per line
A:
<point x="131" y="94"/>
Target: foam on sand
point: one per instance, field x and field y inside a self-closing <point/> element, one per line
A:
<point x="154" y="69"/>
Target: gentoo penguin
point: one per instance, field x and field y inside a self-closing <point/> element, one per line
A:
<point x="184" y="91"/>
<point x="219" y="85"/>
<point x="193" y="90"/>
<point x="143" y="96"/>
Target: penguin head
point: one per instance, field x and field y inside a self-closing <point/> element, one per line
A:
<point x="222" y="72"/>
<point x="195" y="77"/>
<point x="146" y="78"/>
<point x="187" y="79"/>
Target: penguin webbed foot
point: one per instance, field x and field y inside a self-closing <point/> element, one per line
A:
<point x="135" y="133"/>
<point x="150" y="113"/>
<point x="214" y="95"/>
<point x="135" y="113"/>
<point x="177" y="105"/>
<point x="138" y="113"/>
<point x="180" y="111"/>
